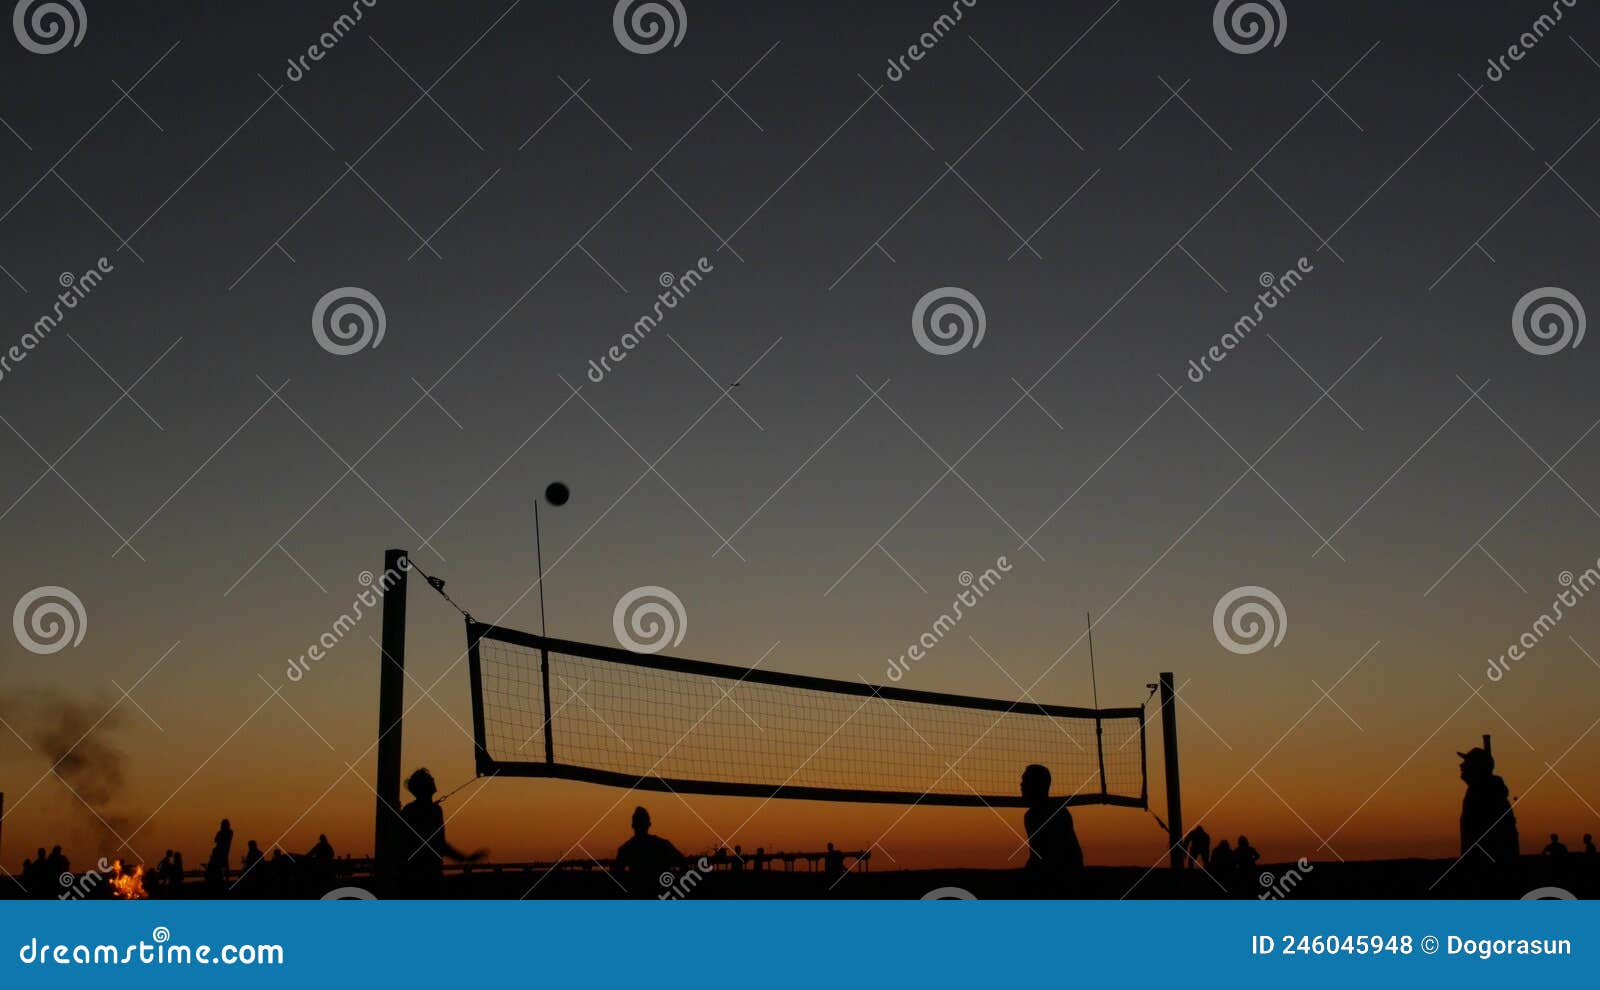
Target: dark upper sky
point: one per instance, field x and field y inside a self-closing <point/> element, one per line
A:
<point x="514" y="224"/>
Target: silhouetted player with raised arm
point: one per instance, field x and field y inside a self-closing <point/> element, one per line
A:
<point x="1055" y="860"/>
<point x="421" y="844"/>
<point x="645" y="858"/>
<point x="1488" y="826"/>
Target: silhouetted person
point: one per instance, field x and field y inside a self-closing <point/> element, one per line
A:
<point x="1055" y="860"/>
<point x="832" y="864"/>
<point x="760" y="861"/>
<point x="644" y="859"/>
<point x="737" y="863"/>
<point x="1488" y="826"/>
<point x="1588" y="845"/>
<point x="1198" y="846"/>
<point x="252" y="875"/>
<point x="56" y="866"/>
<point x="163" y="874"/>
<point x="29" y="877"/>
<point x="1556" y="849"/>
<point x="323" y="850"/>
<point x="221" y="852"/>
<point x="421" y="844"/>
<point x="177" y="869"/>
<point x="37" y="883"/>
<point x="1223" y="863"/>
<point x="1245" y="858"/>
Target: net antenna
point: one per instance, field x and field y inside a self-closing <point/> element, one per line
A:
<point x="1094" y="685"/>
<point x="655" y="722"/>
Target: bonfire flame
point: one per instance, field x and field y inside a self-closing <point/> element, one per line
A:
<point x="128" y="884"/>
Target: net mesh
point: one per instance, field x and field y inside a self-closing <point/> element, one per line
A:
<point x="689" y="727"/>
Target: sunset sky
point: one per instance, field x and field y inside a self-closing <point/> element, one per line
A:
<point x="257" y="475"/>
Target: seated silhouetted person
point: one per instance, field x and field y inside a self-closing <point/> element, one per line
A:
<point x="644" y="859"/>
<point x="420" y="843"/>
<point x="1055" y="860"/>
<point x="1556" y="848"/>
<point x="1488" y="826"/>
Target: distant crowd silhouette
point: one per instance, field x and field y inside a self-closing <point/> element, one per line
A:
<point x="647" y="864"/>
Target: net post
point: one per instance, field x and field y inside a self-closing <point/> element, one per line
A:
<point x="1169" y="742"/>
<point x="481" y="761"/>
<point x="391" y="708"/>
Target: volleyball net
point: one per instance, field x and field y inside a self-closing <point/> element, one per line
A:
<point x="546" y="707"/>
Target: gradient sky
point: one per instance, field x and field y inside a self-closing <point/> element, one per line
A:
<point x="559" y="214"/>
